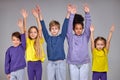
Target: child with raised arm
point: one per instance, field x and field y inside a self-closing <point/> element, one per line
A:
<point x="56" y="68"/>
<point x="15" y="56"/>
<point x="78" y="54"/>
<point x="100" y="48"/>
<point x="34" y="50"/>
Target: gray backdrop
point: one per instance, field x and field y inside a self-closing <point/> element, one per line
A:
<point x="104" y="13"/>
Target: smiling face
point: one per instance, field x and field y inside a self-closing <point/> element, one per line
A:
<point x="78" y="29"/>
<point x="16" y="41"/>
<point x="100" y="44"/>
<point x="33" y="32"/>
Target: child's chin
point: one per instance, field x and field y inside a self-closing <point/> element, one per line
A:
<point x="78" y="34"/>
<point x="15" y="45"/>
<point x="54" y="34"/>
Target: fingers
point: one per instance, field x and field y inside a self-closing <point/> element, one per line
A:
<point x="34" y="12"/>
<point x="112" y="28"/>
<point x="74" y="9"/>
<point x="38" y="7"/>
<point x="24" y="13"/>
<point x="38" y="10"/>
<point x="20" y="22"/>
<point x="86" y="8"/>
<point x="85" y="5"/>
<point x="71" y="8"/>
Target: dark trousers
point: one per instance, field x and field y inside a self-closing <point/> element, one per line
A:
<point x="34" y="70"/>
<point x="99" y="76"/>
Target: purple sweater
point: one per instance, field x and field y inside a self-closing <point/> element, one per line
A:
<point x="78" y="45"/>
<point x="15" y="57"/>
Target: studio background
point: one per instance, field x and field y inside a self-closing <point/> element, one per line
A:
<point x="104" y="13"/>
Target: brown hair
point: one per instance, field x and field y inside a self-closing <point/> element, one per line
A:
<point x="54" y="23"/>
<point x="99" y="38"/>
<point x="17" y="35"/>
<point x="37" y="42"/>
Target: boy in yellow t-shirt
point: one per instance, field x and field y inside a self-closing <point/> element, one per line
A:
<point x="100" y="47"/>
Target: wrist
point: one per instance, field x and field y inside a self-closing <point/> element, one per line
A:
<point x="68" y="15"/>
<point x="111" y="31"/>
<point x="25" y="17"/>
<point x="87" y="12"/>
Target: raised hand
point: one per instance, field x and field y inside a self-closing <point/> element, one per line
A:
<point x="112" y="28"/>
<point x="35" y="13"/>
<point x="92" y="36"/>
<point x="38" y="10"/>
<point x="24" y="13"/>
<point x="73" y="10"/>
<point x="110" y="36"/>
<point x="69" y="8"/>
<point x="20" y="23"/>
<point x="86" y="8"/>
<point x="92" y="28"/>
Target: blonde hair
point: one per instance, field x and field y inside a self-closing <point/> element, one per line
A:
<point x="54" y="23"/>
<point x="37" y="45"/>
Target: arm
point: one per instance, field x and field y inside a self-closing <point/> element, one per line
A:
<point x="109" y="37"/>
<point x="92" y="37"/>
<point x="44" y="30"/>
<point x="35" y="14"/>
<point x="87" y="21"/>
<point x="25" y="15"/>
<point x="20" y="25"/>
<point x="7" y="62"/>
<point x="23" y="41"/>
<point x="70" y="23"/>
<point x="64" y="28"/>
<point x="65" y="24"/>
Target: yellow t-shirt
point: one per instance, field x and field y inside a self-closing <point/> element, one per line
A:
<point x="100" y="60"/>
<point x="30" y="51"/>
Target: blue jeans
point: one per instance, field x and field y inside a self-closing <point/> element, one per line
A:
<point x="56" y="70"/>
<point x="18" y="75"/>
<point x="79" y="72"/>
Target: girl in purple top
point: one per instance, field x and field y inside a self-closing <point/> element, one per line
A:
<point x="15" y="56"/>
<point x="78" y="57"/>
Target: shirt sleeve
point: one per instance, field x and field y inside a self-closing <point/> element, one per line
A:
<point x="70" y="25"/>
<point x="87" y="25"/>
<point x="23" y="41"/>
<point x="44" y="30"/>
<point x="7" y="62"/>
<point x="64" y="28"/>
